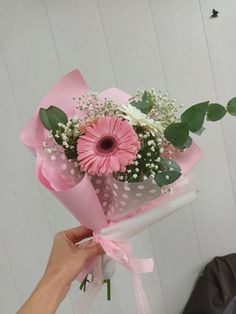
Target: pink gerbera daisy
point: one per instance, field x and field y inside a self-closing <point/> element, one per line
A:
<point x="109" y="145"/>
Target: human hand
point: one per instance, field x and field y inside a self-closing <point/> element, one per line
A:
<point x="67" y="259"/>
<point x="64" y="265"/>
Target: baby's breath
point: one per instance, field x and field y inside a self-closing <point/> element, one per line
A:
<point x="92" y="107"/>
<point x="164" y="109"/>
<point x="146" y="162"/>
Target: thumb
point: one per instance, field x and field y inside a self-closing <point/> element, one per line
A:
<point x="92" y="250"/>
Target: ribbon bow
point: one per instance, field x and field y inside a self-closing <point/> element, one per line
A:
<point x="121" y="253"/>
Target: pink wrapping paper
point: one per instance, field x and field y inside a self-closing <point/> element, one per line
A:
<point x="78" y="194"/>
<point x="86" y="199"/>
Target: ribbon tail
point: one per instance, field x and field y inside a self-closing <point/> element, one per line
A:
<point x="141" y="300"/>
<point x="140" y="265"/>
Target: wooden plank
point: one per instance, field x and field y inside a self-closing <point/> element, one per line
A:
<point x="132" y="44"/>
<point x="7" y="287"/>
<point x="221" y="41"/>
<point x="80" y="43"/>
<point x="79" y="40"/>
<point x="23" y="206"/>
<point x="185" y="59"/>
<point x="117" y="41"/>
<point x="137" y="65"/>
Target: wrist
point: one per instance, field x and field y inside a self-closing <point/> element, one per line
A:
<point x="46" y="297"/>
<point x="56" y="283"/>
<point x="50" y="292"/>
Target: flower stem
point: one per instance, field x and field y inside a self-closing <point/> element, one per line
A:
<point x="108" y="282"/>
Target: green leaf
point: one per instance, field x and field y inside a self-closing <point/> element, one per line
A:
<point x="57" y="139"/>
<point x="44" y="118"/>
<point x="187" y="144"/>
<point x="51" y="117"/>
<point x="177" y="133"/>
<point x="71" y="153"/>
<point x="215" y="112"/>
<point x="200" y="131"/>
<point x="145" y="104"/>
<point x="170" y="172"/>
<point x="195" y="116"/>
<point x="231" y="106"/>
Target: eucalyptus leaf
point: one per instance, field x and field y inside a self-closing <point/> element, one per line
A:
<point x="215" y="112"/>
<point x="51" y="117"/>
<point x="145" y="104"/>
<point x="231" y="106"/>
<point x="44" y="118"/>
<point x="195" y="116"/>
<point x="200" y="131"/>
<point x="177" y="133"/>
<point x="187" y="144"/>
<point x="170" y="172"/>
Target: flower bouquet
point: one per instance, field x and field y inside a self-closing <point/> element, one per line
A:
<point x="118" y="163"/>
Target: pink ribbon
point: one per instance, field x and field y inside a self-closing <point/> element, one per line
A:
<point x="121" y="252"/>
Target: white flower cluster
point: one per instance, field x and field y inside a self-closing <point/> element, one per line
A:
<point x="136" y="117"/>
<point x="150" y="126"/>
<point x="67" y="134"/>
<point x="164" y="109"/>
<point x="147" y="161"/>
<point x="65" y="138"/>
<point x="92" y="107"/>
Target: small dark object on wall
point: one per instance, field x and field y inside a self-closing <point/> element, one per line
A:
<point x="214" y="13"/>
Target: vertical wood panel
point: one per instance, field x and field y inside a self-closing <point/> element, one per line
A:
<point x="80" y="43"/>
<point x="7" y="285"/>
<point x="23" y="222"/>
<point x="143" y="50"/>
<point x="172" y="45"/>
<point x="77" y="21"/>
<point x="186" y="63"/>
<point x="132" y="44"/>
<point x="221" y="42"/>
<point x="79" y="40"/>
<point x="26" y="51"/>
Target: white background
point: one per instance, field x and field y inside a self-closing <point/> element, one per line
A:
<point x="167" y="44"/>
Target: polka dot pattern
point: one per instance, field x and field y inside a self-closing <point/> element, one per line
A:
<point x="65" y="173"/>
<point x="119" y="199"/>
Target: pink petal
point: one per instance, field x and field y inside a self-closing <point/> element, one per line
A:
<point x="87" y="162"/>
<point x="94" y="168"/>
<point x="91" y="132"/>
<point x="91" y="138"/>
<point x="84" y="155"/>
<point x="114" y="163"/>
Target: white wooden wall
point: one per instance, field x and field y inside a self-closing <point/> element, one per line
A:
<point x="167" y="44"/>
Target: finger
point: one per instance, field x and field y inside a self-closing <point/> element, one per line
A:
<point x="93" y="250"/>
<point x="77" y="234"/>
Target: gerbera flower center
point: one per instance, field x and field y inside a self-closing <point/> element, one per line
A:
<point x="106" y="144"/>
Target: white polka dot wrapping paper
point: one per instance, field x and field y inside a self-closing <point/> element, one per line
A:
<point x="122" y="199"/>
<point x="114" y="210"/>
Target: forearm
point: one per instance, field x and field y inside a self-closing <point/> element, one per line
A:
<point x="65" y="263"/>
<point x="46" y="297"/>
